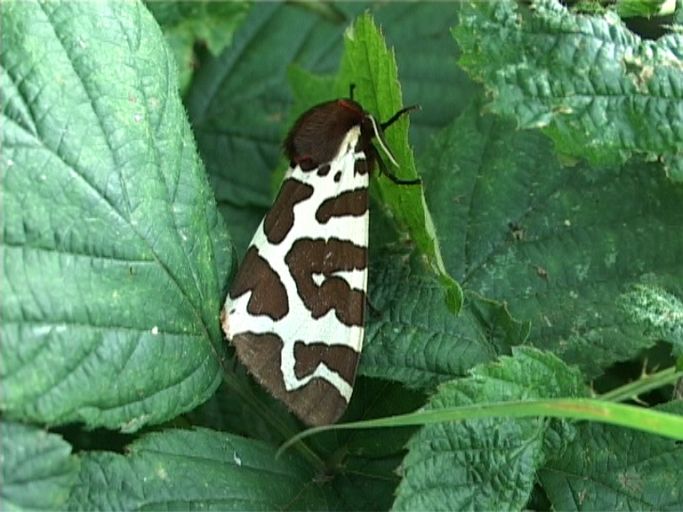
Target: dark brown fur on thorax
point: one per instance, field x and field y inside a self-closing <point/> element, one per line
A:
<point x="317" y="134"/>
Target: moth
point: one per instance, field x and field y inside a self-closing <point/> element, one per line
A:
<point x="296" y="309"/>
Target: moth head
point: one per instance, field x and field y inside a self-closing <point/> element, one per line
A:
<point x="318" y="134"/>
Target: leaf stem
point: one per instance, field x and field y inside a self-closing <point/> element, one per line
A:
<point x="642" y="385"/>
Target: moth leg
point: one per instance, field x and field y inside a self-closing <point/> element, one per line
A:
<point x="385" y="170"/>
<point x="386" y="124"/>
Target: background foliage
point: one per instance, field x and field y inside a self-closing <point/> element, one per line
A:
<point x="540" y="259"/>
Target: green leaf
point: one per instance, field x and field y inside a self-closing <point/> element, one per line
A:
<point x="411" y="335"/>
<point x="115" y="257"/>
<point x="608" y="468"/>
<point x="600" y="92"/>
<point x="485" y="464"/>
<point x="38" y="470"/>
<point x="645" y="8"/>
<point x="678" y="13"/>
<point x="187" y="23"/>
<point x="179" y="469"/>
<point x="660" y="312"/>
<point x="557" y="245"/>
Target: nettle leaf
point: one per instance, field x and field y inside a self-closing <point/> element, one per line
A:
<point x="660" y="312"/>
<point x="412" y="336"/>
<point x="187" y="23"/>
<point x="485" y="464"/>
<point x="600" y="92"/>
<point x="38" y="470"/>
<point x="607" y="468"/>
<point x="557" y="244"/>
<point x="115" y="257"/>
<point x="181" y="469"/>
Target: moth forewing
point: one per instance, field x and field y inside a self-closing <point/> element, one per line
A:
<point x="296" y="309"/>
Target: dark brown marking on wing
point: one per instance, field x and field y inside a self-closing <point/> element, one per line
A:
<point x="268" y="294"/>
<point x="261" y="354"/>
<point x="280" y="218"/>
<point x="323" y="170"/>
<point x="352" y="202"/>
<point x="360" y="166"/>
<point x="308" y="257"/>
<point x="339" y="358"/>
<point x="337" y="176"/>
<point x="317" y="403"/>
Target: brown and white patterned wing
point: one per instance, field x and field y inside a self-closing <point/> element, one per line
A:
<point x="295" y="311"/>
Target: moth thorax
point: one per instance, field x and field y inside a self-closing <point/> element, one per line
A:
<point x="348" y="142"/>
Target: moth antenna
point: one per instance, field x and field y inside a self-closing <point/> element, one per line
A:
<point x="352" y="86"/>
<point x="380" y="139"/>
<point x="405" y="110"/>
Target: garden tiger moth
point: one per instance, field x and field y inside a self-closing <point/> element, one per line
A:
<point x="296" y="308"/>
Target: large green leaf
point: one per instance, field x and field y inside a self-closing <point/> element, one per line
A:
<point x="412" y="336"/>
<point x="114" y="255"/>
<point x="599" y="90"/>
<point x="38" y="470"/>
<point x="197" y="469"/>
<point x="606" y="468"/>
<point x="485" y="464"/>
<point x="558" y="244"/>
